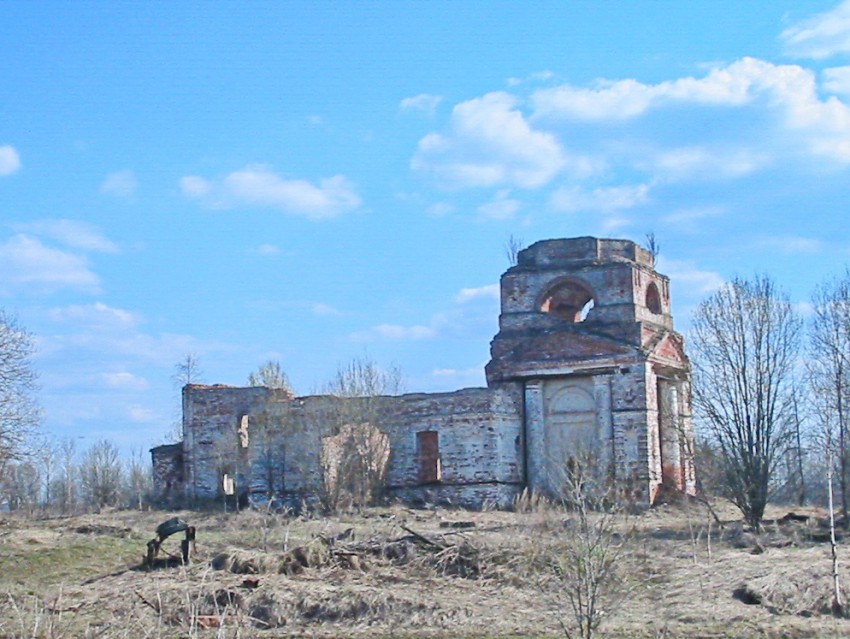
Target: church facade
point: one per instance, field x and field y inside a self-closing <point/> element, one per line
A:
<point x="586" y="370"/>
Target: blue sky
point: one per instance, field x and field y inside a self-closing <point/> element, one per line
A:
<point x="316" y="181"/>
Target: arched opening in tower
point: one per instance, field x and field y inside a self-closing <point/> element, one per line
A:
<point x="568" y="300"/>
<point x="653" y="299"/>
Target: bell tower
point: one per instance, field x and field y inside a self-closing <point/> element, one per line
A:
<point x="586" y="329"/>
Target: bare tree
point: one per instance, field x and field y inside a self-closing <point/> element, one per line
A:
<point x="139" y="480"/>
<point x="270" y="375"/>
<point x="744" y="343"/>
<point x="22" y="485"/>
<point x="653" y="245"/>
<point x="267" y="448"/>
<point x="67" y="491"/>
<point x="795" y="458"/>
<point x="709" y="469"/>
<point x="799" y="455"/>
<point x="829" y="371"/>
<point x="837" y="599"/>
<point x="101" y="474"/>
<point x="354" y="459"/>
<point x="187" y="371"/>
<point x="513" y="245"/>
<point x="19" y="413"/>
<point x="585" y="578"/>
<point x="48" y="457"/>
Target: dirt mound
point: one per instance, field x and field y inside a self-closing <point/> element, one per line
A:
<point x="293" y="562"/>
<point x="102" y="529"/>
<point x="245" y="562"/>
<point x="347" y="606"/>
<point x="803" y="590"/>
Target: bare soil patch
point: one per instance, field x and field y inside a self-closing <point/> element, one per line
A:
<point x="408" y="573"/>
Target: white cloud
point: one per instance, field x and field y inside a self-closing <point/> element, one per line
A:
<point x="125" y="381"/>
<point x="117" y="343"/>
<point x="97" y="316"/>
<point x="267" y="249"/>
<point x="424" y="102"/>
<point x="26" y="262"/>
<point x="120" y="184"/>
<point x="611" y="101"/>
<point x="194" y="186"/>
<point x="459" y="377"/>
<point x="700" y="162"/>
<point x="685" y="275"/>
<point x="604" y="199"/>
<point x="258" y="185"/>
<point x="313" y="307"/>
<point x="395" y="332"/>
<point x="789" y="91"/>
<point x="688" y="216"/>
<point x="10" y="161"/>
<point x="501" y="207"/>
<point x="454" y="372"/>
<point x="539" y="76"/>
<point x="626" y="99"/>
<point x="821" y="36"/>
<point x="614" y="223"/>
<point x="837" y="80"/>
<point x="804" y="309"/>
<point x="320" y="308"/>
<point x="489" y="291"/>
<point x="490" y="143"/>
<point x="71" y="233"/>
<point x="791" y="244"/>
<point x="440" y="209"/>
<point x="138" y="413"/>
<point x="471" y="313"/>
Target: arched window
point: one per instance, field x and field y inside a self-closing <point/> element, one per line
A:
<point x="569" y="300"/>
<point x="653" y="299"/>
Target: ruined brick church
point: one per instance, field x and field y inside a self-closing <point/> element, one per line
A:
<point x="585" y="360"/>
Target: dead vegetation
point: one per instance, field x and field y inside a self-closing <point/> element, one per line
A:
<point x="401" y="572"/>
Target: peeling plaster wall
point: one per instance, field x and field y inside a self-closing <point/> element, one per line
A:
<point x="479" y="430"/>
<point x="652" y="428"/>
<point x="622" y="422"/>
<point x="629" y="415"/>
<point x="480" y="445"/>
<point x="210" y="434"/>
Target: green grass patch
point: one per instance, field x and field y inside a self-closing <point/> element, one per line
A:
<point x="73" y="560"/>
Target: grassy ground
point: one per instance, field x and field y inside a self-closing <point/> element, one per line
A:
<point x="679" y="574"/>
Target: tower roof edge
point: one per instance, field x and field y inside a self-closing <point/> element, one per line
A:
<point x="570" y="251"/>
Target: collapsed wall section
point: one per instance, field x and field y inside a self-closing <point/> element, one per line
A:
<point x="463" y="448"/>
<point x="168" y="474"/>
<point x="212" y="448"/>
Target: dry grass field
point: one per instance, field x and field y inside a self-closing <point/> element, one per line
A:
<point x="397" y="572"/>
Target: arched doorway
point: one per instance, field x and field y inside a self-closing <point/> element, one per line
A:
<point x="573" y="443"/>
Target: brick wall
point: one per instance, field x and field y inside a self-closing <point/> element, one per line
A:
<point x="479" y="435"/>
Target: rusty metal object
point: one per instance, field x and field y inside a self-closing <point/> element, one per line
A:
<point x="164" y="531"/>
